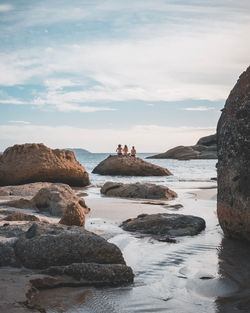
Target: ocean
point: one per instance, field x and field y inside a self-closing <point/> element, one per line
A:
<point x="186" y="174"/>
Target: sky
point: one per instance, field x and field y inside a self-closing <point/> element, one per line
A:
<point x="94" y="73"/>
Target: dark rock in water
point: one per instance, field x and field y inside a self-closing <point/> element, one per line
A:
<point x="204" y="149"/>
<point x="97" y="274"/>
<point x="27" y="163"/>
<point x="165" y="225"/>
<point x="54" y="245"/>
<point x="61" y="250"/>
<point x="234" y="161"/>
<point x="129" y="166"/>
<point x="141" y="191"/>
<point x="174" y="206"/>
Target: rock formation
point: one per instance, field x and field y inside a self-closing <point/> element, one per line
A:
<point x="29" y="163"/>
<point x="62" y="250"/>
<point x="234" y="161"/>
<point x="141" y="191"/>
<point x="73" y="215"/>
<point x="204" y="149"/>
<point x="129" y="166"/>
<point x="53" y="199"/>
<point x="164" y="226"/>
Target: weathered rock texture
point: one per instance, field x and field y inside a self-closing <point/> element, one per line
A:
<point x="54" y="200"/>
<point x="61" y="250"/>
<point x="73" y="215"/>
<point x="19" y="216"/>
<point x="204" y="149"/>
<point x="234" y="161"/>
<point x="129" y="166"/>
<point x="141" y="191"/>
<point x="164" y="226"/>
<point x="29" y="163"/>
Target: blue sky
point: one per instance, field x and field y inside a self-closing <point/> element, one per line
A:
<point x="91" y="74"/>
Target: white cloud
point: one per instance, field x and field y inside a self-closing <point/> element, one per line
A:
<point x="6" y="7"/>
<point x="199" y="109"/>
<point x="19" y="122"/>
<point x="146" y="138"/>
<point x="12" y="101"/>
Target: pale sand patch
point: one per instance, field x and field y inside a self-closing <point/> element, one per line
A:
<point x="120" y="209"/>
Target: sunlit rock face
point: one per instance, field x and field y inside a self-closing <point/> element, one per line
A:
<point x="233" y="133"/>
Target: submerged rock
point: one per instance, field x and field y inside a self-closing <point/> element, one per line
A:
<point x="129" y="166"/>
<point x="204" y="149"/>
<point x="163" y="226"/>
<point x="29" y="163"/>
<point x="142" y="191"/>
<point x="233" y="130"/>
<point x="97" y="274"/>
<point x="54" y="200"/>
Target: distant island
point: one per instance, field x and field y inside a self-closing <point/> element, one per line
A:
<point x="78" y="151"/>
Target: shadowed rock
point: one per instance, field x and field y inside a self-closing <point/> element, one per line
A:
<point x="29" y="163"/>
<point x="234" y="161"/>
<point x="163" y="226"/>
<point x="53" y="199"/>
<point x="204" y="149"/>
<point x="84" y="257"/>
<point x="129" y="166"/>
<point x="141" y="191"/>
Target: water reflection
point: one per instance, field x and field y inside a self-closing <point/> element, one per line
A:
<point x="234" y="265"/>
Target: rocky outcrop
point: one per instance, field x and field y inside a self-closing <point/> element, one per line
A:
<point x="140" y="191"/>
<point x="63" y="250"/>
<point x="164" y="226"/>
<point x="29" y="163"/>
<point x="205" y="148"/>
<point x="73" y="215"/>
<point x="54" y="200"/>
<point x="129" y="166"/>
<point x="234" y="161"/>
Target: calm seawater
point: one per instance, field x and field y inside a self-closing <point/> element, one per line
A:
<point x="186" y="174"/>
<point x="202" y="274"/>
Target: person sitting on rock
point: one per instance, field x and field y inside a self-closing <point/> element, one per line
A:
<point x="119" y="150"/>
<point x="133" y="152"/>
<point x="125" y="150"/>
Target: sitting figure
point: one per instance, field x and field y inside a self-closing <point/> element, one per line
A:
<point x="133" y="152"/>
<point x="125" y="150"/>
<point x="119" y="150"/>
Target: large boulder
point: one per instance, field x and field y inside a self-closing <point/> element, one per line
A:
<point x="129" y="166"/>
<point x="53" y="199"/>
<point x="204" y="149"/>
<point x="163" y="226"/>
<point x="141" y="191"/>
<point x="29" y="163"/>
<point x="63" y="251"/>
<point x="234" y="161"/>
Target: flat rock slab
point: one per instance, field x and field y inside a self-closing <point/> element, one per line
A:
<point x="139" y="191"/>
<point x="129" y="166"/>
<point x="164" y="226"/>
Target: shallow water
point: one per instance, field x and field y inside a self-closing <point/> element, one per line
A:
<point x="204" y="273"/>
